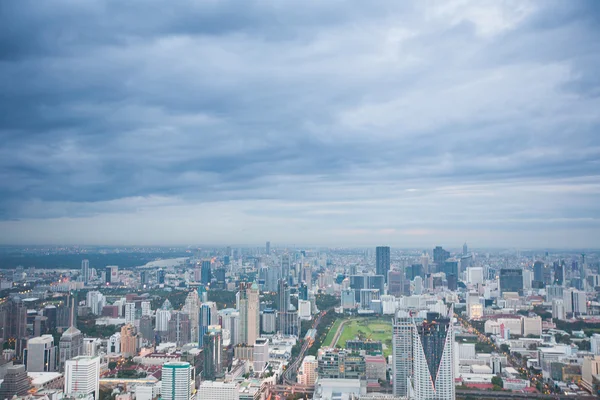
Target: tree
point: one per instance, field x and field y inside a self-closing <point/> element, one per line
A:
<point x="584" y="345"/>
<point x="497" y="381"/>
<point x="112" y="365"/>
<point x="505" y="348"/>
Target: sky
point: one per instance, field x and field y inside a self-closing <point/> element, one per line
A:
<point x="336" y="123"/>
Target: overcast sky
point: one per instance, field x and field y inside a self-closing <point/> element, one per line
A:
<point x="309" y="122"/>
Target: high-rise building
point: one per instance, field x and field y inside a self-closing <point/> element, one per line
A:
<point x="71" y="341"/>
<point x="341" y="364"/>
<point x="192" y="307"/>
<point x="348" y="300"/>
<point x="558" y="309"/>
<point x="15" y="383"/>
<point x="465" y="249"/>
<point x="82" y="377"/>
<point x="402" y="352"/>
<point x="538" y="273"/>
<point x="269" y="321"/>
<point x="176" y="379"/>
<point x="95" y="301"/>
<point x="180" y="328"/>
<point x="146" y="328"/>
<point x="249" y="313"/>
<point x="208" y="316"/>
<point x="85" y="271"/>
<point x="307" y="373"/>
<point x="511" y="280"/>
<point x="160" y="276"/>
<point x="440" y="256"/>
<point x="376" y="282"/>
<point x="261" y="354"/>
<point x="395" y="283"/>
<point x="129" y="340"/>
<point x="162" y="320"/>
<point x="112" y="274"/>
<point x="433" y="347"/>
<point x="129" y="313"/>
<point x="212" y="349"/>
<point x="285" y="266"/>
<point x="283" y="305"/>
<point x="146" y="308"/>
<point x="559" y="272"/>
<point x="206" y="275"/>
<point x="268" y="248"/>
<point x="40" y="354"/>
<point x="382" y="261"/>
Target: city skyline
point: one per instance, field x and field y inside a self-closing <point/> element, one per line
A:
<point x="315" y="123"/>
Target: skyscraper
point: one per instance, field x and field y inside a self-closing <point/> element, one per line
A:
<point x="268" y="248"/>
<point x="440" y="256"/>
<point x="71" y="341"/>
<point x="212" y="348"/>
<point x="176" y="378"/>
<point x="433" y="347"/>
<point x="16" y="382"/>
<point x="538" y="274"/>
<point x="85" y="271"/>
<point x="511" y="280"/>
<point x="382" y="261"/>
<point x="129" y="340"/>
<point x="129" y="313"/>
<point x="192" y="308"/>
<point x="465" y="249"/>
<point x="249" y="313"/>
<point x="208" y="316"/>
<point x="40" y="354"/>
<point x="206" y="275"/>
<point x="82" y="377"/>
<point x="402" y="352"/>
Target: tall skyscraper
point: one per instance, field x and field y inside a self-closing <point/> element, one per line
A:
<point x="433" y="347"/>
<point x="112" y="274"/>
<point x="176" y="378"/>
<point x="465" y="249"/>
<point x="71" y="341"/>
<point x="129" y="313"/>
<point x="180" y="328"/>
<point x="208" y="316"/>
<point x="440" y="256"/>
<point x="206" y="274"/>
<point x="268" y="248"/>
<point x="82" y="377"/>
<point x="40" y="354"/>
<point x="249" y="313"/>
<point x="382" y="261"/>
<point x="85" y="271"/>
<point x="16" y="382"/>
<point x="192" y="308"/>
<point x="285" y="266"/>
<point x="511" y="280"/>
<point x="129" y="340"/>
<point x="402" y="352"/>
<point x="538" y="274"/>
<point x="162" y="320"/>
<point x="212" y="349"/>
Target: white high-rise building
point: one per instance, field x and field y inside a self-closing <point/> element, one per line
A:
<point x="162" y="320"/>
<point x="82" y="377"/>
<point x="249" y="313"/>
<point x="192" y="308"/>
<point x="418" y="282"/>
<point x="434" y="359"/>
<point x="176" y="381"/>
<point x="261" y="354"/>
<point x="95" y="301"/>
<point x="40" y="354"/>
<point x="212" y="390"/>
<point x="304" y="309"/>
<point x="558" y="309"/>
<point x="402" y="352"/>
<point x="130" y="313"/>
<point x="146" y="308"/>
<point x="474" y="275"/>
<point x="595" y="344"/>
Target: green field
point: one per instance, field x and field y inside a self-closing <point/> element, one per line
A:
<point x="363" y="328"/>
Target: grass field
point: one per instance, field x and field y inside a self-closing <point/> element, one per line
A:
<point x="363" y="328"/>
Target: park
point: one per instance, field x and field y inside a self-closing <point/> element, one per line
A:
<point x="362" y="328"/>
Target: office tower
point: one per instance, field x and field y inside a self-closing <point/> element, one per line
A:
<point x="51" y="314"/>
<point x="192" y="308"/>
<point x="85" y="271"/>
<point x="382" y="261"/>
<point x="176" y="378"/>
<point x="425" y="263"/>
<point x="17" y="323"/>
<point x="129" y="313"/>
<point x="180" y="328"/>
<point x="452" y="282"/>
<point x="283" y="305"/>
<point x="357" y="282"/>
<point x="82" y="377"/>
<point x="95" y="301"/>
<point x="160" y="276"/>
<point x="285" y="266"/>
<point x="219" y="277"/>
<point x="212" y="349"/>
<point x="112" y="274"/>
<point x="91" y="346"/>
<point x="433" y="347"/>
<point x="538" y="274"/>
<point x="198" y="273"/>
<point x="307" y="374"/>
<point x="402" y="352"/>
<point x="216" y="390"/>
<point x="376" y="282"/>
<point x="15" y="383"/>
<point x="559" y="272"/>
<point x="474" y="275"/>
<point x="395" y="283"/>
<point x="230" y="321"/>
<point x="269" y="321"/>
<point x="261" y="354"/>
<point x="450" y="267"/>
<point x="440" y="256"/>
<point x="511" y="280"/>
<point x="208" y="316"/>
<point x="146" y="328"/>
<point x="268" y="248"/>
<point x="162" y="320"/>
<point x="40" y="354"/>
<point x="348" y="300"/>
<point x="71" y="341"/>
<point x="575" y="302"/>
<point x="303" y="292"/>
<point x="413" y="271"/>
<point x="40" y="325"/>
<point x="249" y="313"/>
<point x="144" y="278"/>
<point x="146" y="308"/>
<point x="206" y="275"/>
<point x="465" y="249"/>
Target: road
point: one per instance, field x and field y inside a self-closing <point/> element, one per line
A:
<point x="489" y="394"/>
<point x="290" y="372"/>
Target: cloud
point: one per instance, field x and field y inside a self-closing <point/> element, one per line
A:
<point x="314" y="118"/>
